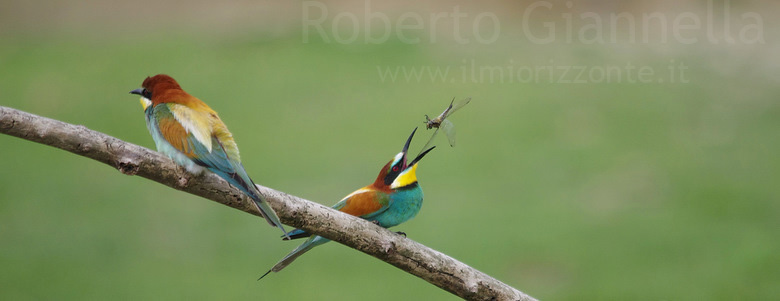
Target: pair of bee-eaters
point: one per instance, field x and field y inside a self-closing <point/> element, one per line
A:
<point x="188" y="131"/>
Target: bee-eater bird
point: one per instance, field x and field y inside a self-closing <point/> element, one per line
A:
<point x="188" y="131"/>
<point x="394" y="197"/>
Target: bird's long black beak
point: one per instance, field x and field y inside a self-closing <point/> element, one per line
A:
<point x="406" y="147"/>
<point x="421" y="155"/>
<point x="408" y="141"/>
<point x="139" y="91"/>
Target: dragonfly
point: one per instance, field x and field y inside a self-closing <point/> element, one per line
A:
<point x="441" y="122"/>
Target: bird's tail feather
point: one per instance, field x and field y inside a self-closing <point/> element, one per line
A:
<point x="303" y="248"/>
<point x="295" y="234"/>
<point x="242" y="181"/>
<point x="268" y="213"/>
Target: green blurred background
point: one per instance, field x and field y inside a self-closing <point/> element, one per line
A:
<point x="596" y="190"/>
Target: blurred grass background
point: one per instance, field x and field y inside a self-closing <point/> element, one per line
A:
<point x="564" y="191"/>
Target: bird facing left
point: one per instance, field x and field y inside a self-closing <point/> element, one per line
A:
<point x="188" y="131"/>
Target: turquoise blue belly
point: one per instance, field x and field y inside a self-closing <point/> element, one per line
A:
<point x="405" y="203"/>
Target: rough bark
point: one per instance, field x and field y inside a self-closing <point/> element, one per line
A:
<point x="406" y="254"/>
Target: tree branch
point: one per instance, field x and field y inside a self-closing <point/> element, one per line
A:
<point x="406" y="254"/>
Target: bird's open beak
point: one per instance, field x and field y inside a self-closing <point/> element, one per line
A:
<point x="421" y="155"/>
<point x="406" y="149"/>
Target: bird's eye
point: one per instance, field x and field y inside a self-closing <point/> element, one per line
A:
<point x="395" y="168"/>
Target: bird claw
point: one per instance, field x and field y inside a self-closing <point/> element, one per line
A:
<point x="401" y="233"/>
<point x="376" y="223"/>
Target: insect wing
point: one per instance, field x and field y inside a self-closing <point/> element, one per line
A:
<point x="458" y="105"/>
<point x="428" y="144"/>
<point x="449" y="129"/>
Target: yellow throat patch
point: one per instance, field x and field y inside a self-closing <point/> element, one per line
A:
<point x="145" y="103"/>
<point x="406" y="178"/>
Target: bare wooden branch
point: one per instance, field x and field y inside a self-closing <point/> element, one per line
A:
<point x="406" y="254"/>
